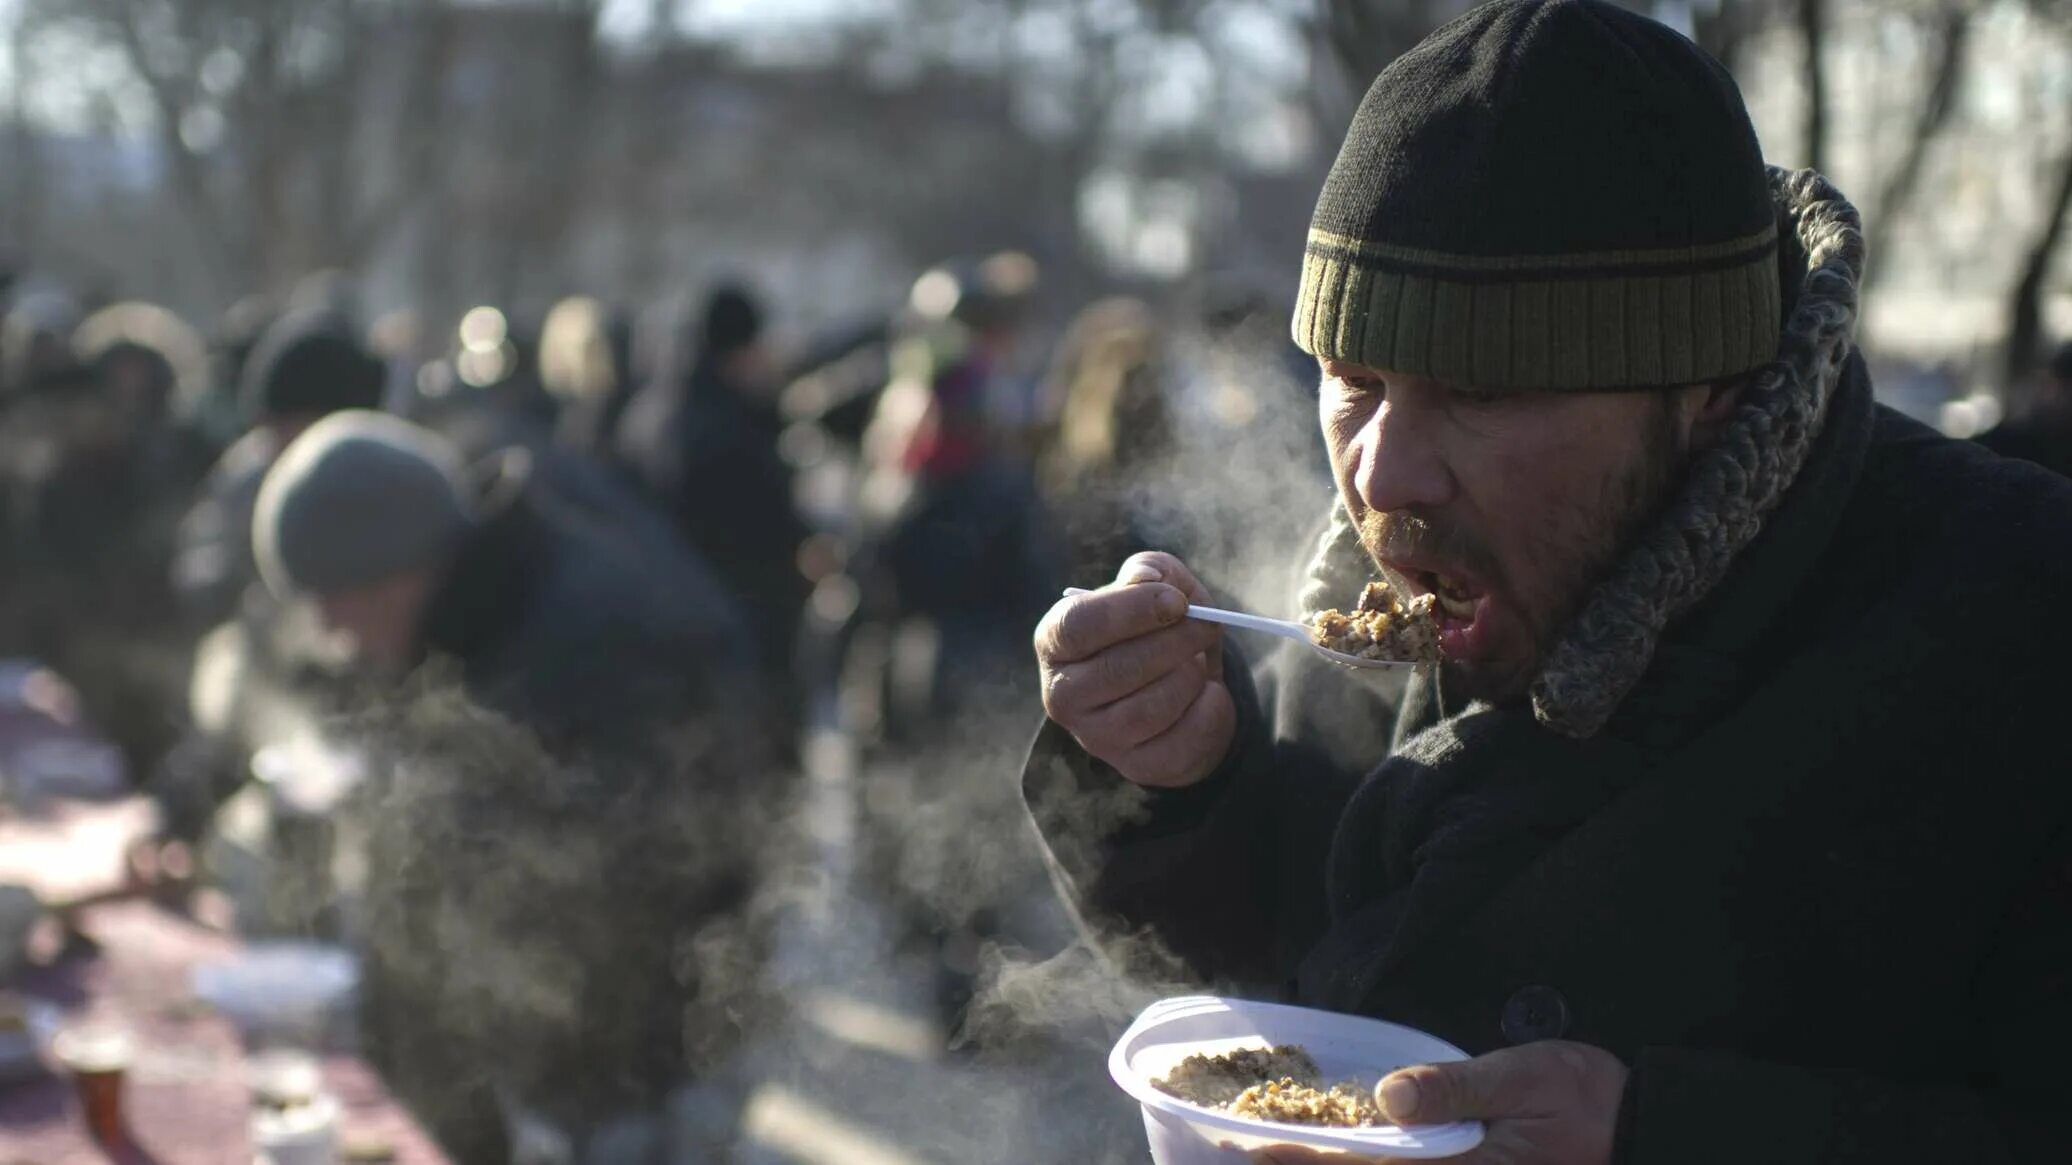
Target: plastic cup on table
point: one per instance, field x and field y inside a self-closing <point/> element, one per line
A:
<point x="98" y="1058"/>
<point x="304" y="1133"/>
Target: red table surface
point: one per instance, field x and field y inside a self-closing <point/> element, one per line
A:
<point x="186" y="1098"/>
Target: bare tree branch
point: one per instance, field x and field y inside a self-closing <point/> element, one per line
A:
<point x="1952" y="35"/>
<point x="420" y="151"/>
<point x="2025" y="303"/>
<point x="1812" y="16"/>
<point x="190" y="176"/>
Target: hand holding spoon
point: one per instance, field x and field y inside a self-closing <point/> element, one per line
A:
<point x="1280" y="627"/>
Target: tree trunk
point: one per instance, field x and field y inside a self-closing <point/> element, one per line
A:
<point x="1366" y="35"/>
<point x="1953" y="32"/>
<point x="1813" y="31"/>
<point x="227" y="257"/>
<point x="2025" y="308"/>
<point x="25" y="168"/>
<point x="1723" y="30"/>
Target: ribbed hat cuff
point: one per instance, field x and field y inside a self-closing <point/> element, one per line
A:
<point x="1629" y="319"/>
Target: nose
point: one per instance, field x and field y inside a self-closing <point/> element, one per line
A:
<point x="1402" y="463"/>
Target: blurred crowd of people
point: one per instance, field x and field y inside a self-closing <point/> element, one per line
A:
<point x="535" y="617"/>
<point x="562" y="602"/>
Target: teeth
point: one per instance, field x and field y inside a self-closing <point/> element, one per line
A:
<point x="1458" y="608"/>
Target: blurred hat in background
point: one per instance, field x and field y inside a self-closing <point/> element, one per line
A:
<point x="733" y="320"/>
<point x="358" y="498"/>
<point x="310" y="363"/>
<point x="145" y="329"/>
<point x="36" y="344"/>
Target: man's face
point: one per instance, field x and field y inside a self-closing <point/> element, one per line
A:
<point x="1510" y="505"/>
<point x="381" y="619"/>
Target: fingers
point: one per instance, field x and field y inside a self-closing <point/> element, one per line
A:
<point x="1485" y="1087"/>
<point x="1134" y="681"/>
<point x="1530" y="1080"/>
<point x="1189" y="750"/>
<point x="1158" y="566"/>
<point x="1146" y="711"/>
<point x="1074" y="689"/>
<point x="1084" y="625"/>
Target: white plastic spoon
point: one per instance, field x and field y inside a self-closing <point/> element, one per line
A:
<point x="1280" y="627"/>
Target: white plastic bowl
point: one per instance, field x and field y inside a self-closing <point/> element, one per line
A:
<point x="1344" y="1047"/>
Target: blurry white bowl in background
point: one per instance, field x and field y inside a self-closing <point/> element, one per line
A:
<point x="288" y="991"/>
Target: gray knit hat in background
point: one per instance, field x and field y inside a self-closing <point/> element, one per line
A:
<point x="358" y="498"/>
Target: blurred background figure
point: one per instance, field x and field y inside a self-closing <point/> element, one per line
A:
<point x="954" y="562"/>
<point x="703" y="438"/>
<point x="586" y="362"/>
<point x="603" y="687"/>
<point x="2040" y="427"/>
<point x="97" y="460"/>
<point x="36" y="353"/>
<point x="1113" y="440"/>
<point x="307" y="366"/>
<point x="407" y="551"/>
<point x="962" y="546"/>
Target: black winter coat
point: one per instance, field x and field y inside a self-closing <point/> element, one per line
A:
<point x="588" y="635"/>
<point x="1813" y="883"/>
<point x="586" y="808"/>
<point x="710" y="458"/>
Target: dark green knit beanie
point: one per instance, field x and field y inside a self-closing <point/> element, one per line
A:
<point x="1547" y="194"/>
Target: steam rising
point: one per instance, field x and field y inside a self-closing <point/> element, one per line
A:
<point x="543" y="909"/>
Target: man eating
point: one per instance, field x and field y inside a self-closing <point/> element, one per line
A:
<point x="1733" y="825"/>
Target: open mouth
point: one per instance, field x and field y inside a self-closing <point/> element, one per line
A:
<point x="1462" y="610"/>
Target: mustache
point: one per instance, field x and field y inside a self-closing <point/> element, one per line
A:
<point x="1400" y="534"/>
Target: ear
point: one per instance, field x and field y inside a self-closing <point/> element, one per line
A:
<point x="1710" y="407"/>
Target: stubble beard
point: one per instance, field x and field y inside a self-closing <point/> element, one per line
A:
<point x="1572" y="557"/>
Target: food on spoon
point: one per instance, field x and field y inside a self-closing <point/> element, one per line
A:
<point x="1381" y="627"/>
<point x="1280" y="1084"/>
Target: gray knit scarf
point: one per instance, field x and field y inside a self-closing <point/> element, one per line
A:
<point x="1731" y="487"/>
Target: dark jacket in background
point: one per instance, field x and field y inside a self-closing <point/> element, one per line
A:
<point x="92" y="507"/>
<point x="485" y="427"/>
<point x="578" y="798"/>
<point x="591" y="636"/>
<point x="710" y="457"/>
<point x="1813" y="883"/>
<point x="2043" y="437"/>
<point x="213" y="565"/>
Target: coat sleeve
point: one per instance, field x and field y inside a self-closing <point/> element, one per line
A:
<point x="1228" y="875"/>
<point x="1695" y="1108"/>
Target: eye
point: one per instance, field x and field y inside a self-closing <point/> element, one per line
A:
<point x="1361" y="384"/>
<point x="1480" y="397"/>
